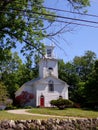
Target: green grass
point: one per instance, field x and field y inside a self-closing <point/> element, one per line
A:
<point x="8" y="116"/>
<point x="71" y="112"/>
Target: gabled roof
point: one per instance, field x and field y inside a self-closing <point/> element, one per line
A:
<point x="51" y="76"/>
<point x="29" y="83"/>
<point x="40" y="80"/>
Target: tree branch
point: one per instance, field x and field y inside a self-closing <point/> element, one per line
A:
<point x="4" y="4"/>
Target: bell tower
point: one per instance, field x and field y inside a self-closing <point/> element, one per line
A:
<point x="48" y="65"/>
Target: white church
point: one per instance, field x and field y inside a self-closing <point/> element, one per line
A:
<point x="47" y="86"/>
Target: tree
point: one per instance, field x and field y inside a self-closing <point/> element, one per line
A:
<point x="9" y="66"/>
<point x="67" y="73"/>
<point x="76" y="74"/>
<point x="3" y="94"/>
<point x="10" y="61"/>
<point x="26" y="22"/>
<point x="84" y="64"/>
<point x="14" y="73"/>
<point x="27" y="71"/>
<point x="91" y="87"/>
<point x="25" y="26"/>
<point x="78" y="93"/>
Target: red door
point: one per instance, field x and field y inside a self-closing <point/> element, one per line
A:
<point x="41" y="101"/>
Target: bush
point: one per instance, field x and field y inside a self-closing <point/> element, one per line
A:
<point x="27" y="107"/>
<point x="61" y="103"/>
<point x="11" y="107"/>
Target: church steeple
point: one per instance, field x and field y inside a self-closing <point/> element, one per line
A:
<point x="49" y="64"/>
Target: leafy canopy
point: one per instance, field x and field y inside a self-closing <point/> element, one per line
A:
<point x="23" y="21"/>
<point x="3" y="93"/>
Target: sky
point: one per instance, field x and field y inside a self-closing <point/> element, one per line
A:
<point x="81" y="38"/>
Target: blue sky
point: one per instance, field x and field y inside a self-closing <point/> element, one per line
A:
<point x="79" y="40"/>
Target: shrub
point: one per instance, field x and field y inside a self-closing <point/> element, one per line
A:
<point x="11" y="107"/>
<point x="28" y="107"/>
<point x="61" y="103"/>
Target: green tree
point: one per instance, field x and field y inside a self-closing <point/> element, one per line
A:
<point x="9" y="66"/>
<point x="78" y="93"/>
<point x="27" y="71"/>
<point x="67" y="72"/>
<point x="76" y="74"/>
<point x="91" y="87"/>
<point x="84" y="64"/>
<point x="23" y="21"/>
<point x="3" y="93"/>
<point x="14" y="73"/>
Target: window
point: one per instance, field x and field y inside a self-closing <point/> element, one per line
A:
<point x="51" y="86"/>
<point x="48" y="52"/>
<point x="60" y="97"/>
<point x="50" y="70"/>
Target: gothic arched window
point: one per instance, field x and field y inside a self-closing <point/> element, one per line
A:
<point x="51" y="86"/>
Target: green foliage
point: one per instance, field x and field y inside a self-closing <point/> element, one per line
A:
<point x="78" y="94"/>
<point x="76" y="74"/>
<point x="13" y="73"/>
<point x="9" y="67"/>
<point x="91" y="87"/>
<point x="27" y="107"/>
<point x="3" y="94"/>
<point x="61" y="103"/>
<point x="79" y="4"/>
<point x="84" y="64"/>
<point x="23" y="21"/>
<point x="82" y="2"/>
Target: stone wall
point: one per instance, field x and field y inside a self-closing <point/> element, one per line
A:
<point x="50" y="124"/>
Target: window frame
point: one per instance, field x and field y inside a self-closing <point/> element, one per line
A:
<point x="49" y="52"/>
<point x="51" y="86"/>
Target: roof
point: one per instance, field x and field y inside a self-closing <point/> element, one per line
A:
<point x="40" y="80"/>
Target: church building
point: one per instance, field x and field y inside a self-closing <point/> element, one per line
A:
<point x="40" y="91"/>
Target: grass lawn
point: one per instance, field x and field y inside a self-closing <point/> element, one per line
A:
<point x="71" y="112"/>
<point x="8" y="116"/>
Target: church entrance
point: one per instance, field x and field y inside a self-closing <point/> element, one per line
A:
<point x="41" y="101"/>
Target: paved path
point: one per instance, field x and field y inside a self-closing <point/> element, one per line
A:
<point x="24" y="111"/>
